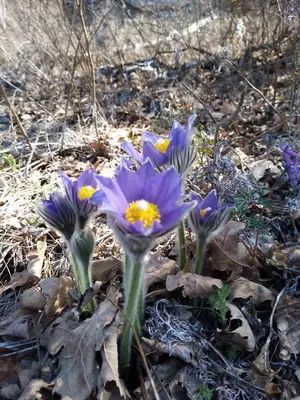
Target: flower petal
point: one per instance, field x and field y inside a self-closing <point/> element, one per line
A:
<point x="210" y="201"/>
<point x="126" y="146"/>
<point x="114" y="197"/>
<point x="87" y="178"/>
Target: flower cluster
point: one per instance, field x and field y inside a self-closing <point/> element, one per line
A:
<point x="292" y="161"/>
<point x="142" y="206"/>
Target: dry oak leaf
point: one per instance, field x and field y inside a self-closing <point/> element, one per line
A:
<point x="193" y="285"/>
<point x="242" y="334"/>
<point x="105" y="270"/>
<point x="226" y="251"/>
<point x="77" y="344"/>
<point x="287" y="320"/>
<point x="33" y="299"/>
<point x="56" y="290"/>
<point x="159" y="268"/>
<point x="110" y="363"/>
<point x="36" y="258"/>
<point x="19" y="279"/>
<point x="244" y="289"/>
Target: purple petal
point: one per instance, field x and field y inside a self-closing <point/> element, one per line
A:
<point x="87" y="178"/>
<point x="130" y="184"/>
<point x="210" y="201"/>
<point x="115" y="199"/>
<point x="132" y="152"/>
<point x="98" y="197"/>
<point x="170" y="220"/>
<point x="149" y="151"/>
<point x="146" y="171"/>
<point x="67" y="184"/>
<point x="163" y="190"/>
<point x="178" y="136"/>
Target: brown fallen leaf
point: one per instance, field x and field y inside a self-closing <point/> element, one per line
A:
<point x="110" y="364"/>
<point x="56" y="290"/>
<point x="226" y="252"/>
<point x="105" y="270"/>
<point x="16" y="326"/>
<point x="242" y="334"/>
<point x="244" y="289"/>
<point x="36" y="258"/>
<point x="33" y="299"/>
<point x="19" y="279"/>
<point x="287" y="320"/>
<point x="77" y="344"/>
<point x="192" y="285"/>
<point x="159" y="268"/>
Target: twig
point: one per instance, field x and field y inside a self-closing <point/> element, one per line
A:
<point x="260" y="93"/>
<point x="15" y="116"/>
<point x="92" y="67"/>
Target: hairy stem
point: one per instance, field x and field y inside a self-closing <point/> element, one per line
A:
<point x="182" y="251"/>
<point x="200" y="252"/>
<point x="134" y="304"/>
<point x="83" y="281"/>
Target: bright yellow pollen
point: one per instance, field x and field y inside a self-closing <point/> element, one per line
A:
<point x="204" y="211"/>
<point x="162" y="145"/>
<point x="143" y="211"/>
<point x="86" y="192"/>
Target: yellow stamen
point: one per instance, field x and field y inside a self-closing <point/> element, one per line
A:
<point x="143" y="211"/>
<point x="86" y="192"/>
<point x="204" y="211"/>
<point x="162" y="145"/>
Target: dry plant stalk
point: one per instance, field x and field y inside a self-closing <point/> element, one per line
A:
<point x="15" y="116"/>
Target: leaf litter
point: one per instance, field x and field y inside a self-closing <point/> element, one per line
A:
<point x="242" y="346"/>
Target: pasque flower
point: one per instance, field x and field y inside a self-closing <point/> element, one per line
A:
<point x="205" y="220"/>
<point x="292" y="161"/>
<point x="141" y="207"/>
<point x="79" y="193"/>
<point x="173" y="150"/>
<point x="58" y="214"/>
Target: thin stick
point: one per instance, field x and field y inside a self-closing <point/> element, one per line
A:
<point x="15" y="115"/>
<point x="260" y="93"/>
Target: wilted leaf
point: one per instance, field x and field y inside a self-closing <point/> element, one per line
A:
<point x="288" y="325"/>
<point x="77" y="344"/>
<point x="245" y="289"/>
<point x="227" y="252"/>
<point x="187" y="352"/>
<point x="16" y="326"/>
<point x="193" y="285"/>
<point x="159" y="268"/>
<point x="105" y="270"/>
<point x="32" y="299"/>
<point x="36" y="258"/>
<point x="110" y="366"/>
<point x="238" y="329"/>
<point x="19" y="279"/>
<point x="56" y="291"/>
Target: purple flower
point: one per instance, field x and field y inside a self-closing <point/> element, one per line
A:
<point x="142" y="205"/>
<point x="173" y="150"/>
<point x="292" y="161"/>
<point x="207" y="217"/>
<point x="79" y="193"/>
<point x="58" y="214"/>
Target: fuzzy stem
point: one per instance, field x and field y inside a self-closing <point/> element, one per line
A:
<point x="182" y="252"/>
<point x="134" y="302"/>
<point x="200" y="252"/>
<point x="83" y="281"/>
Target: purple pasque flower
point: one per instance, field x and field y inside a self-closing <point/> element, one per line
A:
<point x="142" y="206"/>
<point x="79" y="193"/>
<point x="58" y="214"/>
<point x="292" y="160"/>
<point x="207" y="217"/>
<point x="173" y="150"/>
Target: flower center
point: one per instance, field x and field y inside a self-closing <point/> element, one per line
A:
<point x="143" y="211"/>
<point x="162" y="145"/>
<point x="204" y="211"/>
<point x="86" y="192"/>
